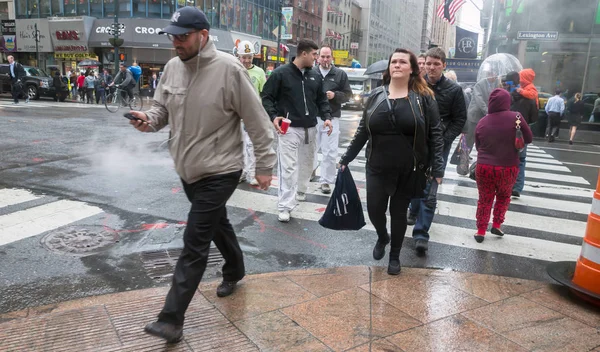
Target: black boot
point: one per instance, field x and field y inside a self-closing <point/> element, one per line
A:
<point x="394" y="265"/>
<point x="170" y="332"/>
<point x="379" y="250"/>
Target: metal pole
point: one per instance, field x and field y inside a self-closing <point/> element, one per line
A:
<point x="279" y="34"/>
<point x="587" y="60"/>
<point x="116" y="35"/>
<point x="37" y="48"/>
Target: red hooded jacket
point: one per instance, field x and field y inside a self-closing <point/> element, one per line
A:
<point x="495" y="132"/>
<point x="528" y="90"/>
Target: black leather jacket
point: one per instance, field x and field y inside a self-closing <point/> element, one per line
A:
<point x="429" y="143"/>
<point x="451" y="105"/>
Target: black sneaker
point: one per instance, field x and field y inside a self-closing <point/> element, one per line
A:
<point x="479" y="238"/>
<point x="226" y="288"/>
<point x="170" y="332"/>
<point x="516" y="194"/>
<point x="497" y="232"/>
<point x="411" y="219"/>
<point x="379" y="249"/>
<point x="421" y="247"/>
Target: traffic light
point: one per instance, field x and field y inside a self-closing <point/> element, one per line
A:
<point x="122" y="57"/>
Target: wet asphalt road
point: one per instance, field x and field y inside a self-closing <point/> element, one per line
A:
<point x="86" y="154"/>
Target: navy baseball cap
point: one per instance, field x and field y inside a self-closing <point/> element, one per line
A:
<point x="186" y="19"/>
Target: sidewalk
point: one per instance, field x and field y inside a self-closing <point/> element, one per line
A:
<point x="325" y="310"/>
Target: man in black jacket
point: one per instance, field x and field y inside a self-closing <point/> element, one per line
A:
<point x="453" y="114"/>
<point x="528" y="109"/>
<point x="337" y="88"/>
<point x="17" y="74"/>
<point x="295" y="91"/>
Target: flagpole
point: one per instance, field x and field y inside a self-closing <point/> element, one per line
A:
<point x="477" y="7"/>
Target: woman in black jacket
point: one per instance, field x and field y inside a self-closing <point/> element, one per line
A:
<point x="57" y="83"/>
<point x="576" y="111"/>
<point x="401" y="126"/>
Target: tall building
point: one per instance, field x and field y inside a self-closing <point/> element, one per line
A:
<point x="73" y="30"/>
<point x="410" y="35"/>
<point x="443" y="33"/>
<point x="341" y="27"/>
<point x="7" y="10"/>
<point x="384" y="22"/>
<point x="436" y="31"/>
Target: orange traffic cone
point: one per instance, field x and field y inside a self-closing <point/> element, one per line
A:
<point x="583" y="277"/>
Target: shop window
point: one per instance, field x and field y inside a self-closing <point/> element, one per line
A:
<point x="153" y="8"/>
<point x="3" y="10"/>
<point x="168" y="7"/>
<point x="82" y="7"/>
<point x="249" y="28"/>
<point x="109" y="8"/>
<point x="139" y="8"/>
<point x="237" y="11"/>
<point x="260" y="21"/>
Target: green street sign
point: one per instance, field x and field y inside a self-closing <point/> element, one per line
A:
<point x="533" y="48"/>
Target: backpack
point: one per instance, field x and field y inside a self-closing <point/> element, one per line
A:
<point x="136" y="71"/>
<point x="100" y="81"/>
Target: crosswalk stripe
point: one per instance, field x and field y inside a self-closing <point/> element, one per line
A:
<point x="537" y="175"/>
<point x="15" y="196"/>
<point x="439" y="233"/>
<point x="37" y="220"/>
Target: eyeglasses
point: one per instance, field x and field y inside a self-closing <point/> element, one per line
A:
<point x="179" y="37"/>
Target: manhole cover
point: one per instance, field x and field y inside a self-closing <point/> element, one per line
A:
<point x="160" y="264"/>
<point x="80" y="240"/>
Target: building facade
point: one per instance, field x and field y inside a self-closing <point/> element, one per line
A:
<point x="341" y="28"/>
<point x="443" y="34"/>
<point x="562" y="47"/>
<point x="409" y="26"/>
<point x="72" y="30"/>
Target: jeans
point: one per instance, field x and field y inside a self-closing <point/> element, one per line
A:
<point x="423" y="212"/>
<point x="518" y="187"/>
<point x="207" y="222"/>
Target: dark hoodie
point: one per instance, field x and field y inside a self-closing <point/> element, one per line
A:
<point x="495" y="133"/>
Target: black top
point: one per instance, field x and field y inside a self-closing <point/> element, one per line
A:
<point x="337" y="82"/>
<point x="577" y="108"/>
<point x="392" y="157"/>
<point x="526" y="107"/>
<point x="301" y="95"/>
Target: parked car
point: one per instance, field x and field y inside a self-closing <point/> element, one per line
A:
<point x="37" y="83"/>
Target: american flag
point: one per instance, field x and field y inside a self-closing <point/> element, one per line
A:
<point x="448" y="8"/>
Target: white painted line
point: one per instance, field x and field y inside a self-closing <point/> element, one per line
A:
<point x="445" y="234"/>
<point x="539" y="175"/>
<point x="539" y="166"/>
<point x="579" y="164"/>
<point x="34" y="221"/>
<point x="543" y="160"/>
<point x="571" y="150"/>
<point x="15" y="196"/>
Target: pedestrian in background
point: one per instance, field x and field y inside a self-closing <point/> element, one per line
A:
<point x="17" y="74"/>
<point x="203" y="95"/>
<point x="57" y="83"/>
<point x="527" y="107"/>
<point x="81" y="87"/>
<point x="245" y="51"/>
<point x="478" y="107"/>
<point x="555" y="108"/>
<point x="497" y="161"/>
<point x="576" y="111"/>
<point x="402" y="129"/>
<point x="450" y="102"/>
<point x="295" y="91"/>
<point x="90" y="84"/>
<point x="337" y="88"/>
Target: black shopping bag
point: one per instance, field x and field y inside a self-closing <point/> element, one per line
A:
<point x="344" y="210"/>
<point x="455" y="158"/>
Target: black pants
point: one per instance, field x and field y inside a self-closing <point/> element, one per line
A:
<point x="207" y="222"/>
<point x="16" y="90"/>
<point x="553" y="124"/>
<point x="377" y="204"/>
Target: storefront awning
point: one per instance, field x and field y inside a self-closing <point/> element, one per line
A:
<point x="222" y="40"/>
<point x="137" y="33"/>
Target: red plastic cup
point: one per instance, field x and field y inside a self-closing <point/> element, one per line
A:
<point x="285" y="123"/>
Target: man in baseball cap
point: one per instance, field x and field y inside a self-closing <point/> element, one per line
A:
<point x="187" y="25"/>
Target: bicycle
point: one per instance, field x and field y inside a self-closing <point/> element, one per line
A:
<point x="119" y="97"/>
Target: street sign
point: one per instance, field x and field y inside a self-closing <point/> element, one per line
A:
<point x="533" y="48"/>
<point x="537" y="35"/>
<point x="353" y="45"/>
<point x="340" y="54"/>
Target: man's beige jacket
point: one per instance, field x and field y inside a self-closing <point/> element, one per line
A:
<point x="204" y="100"/>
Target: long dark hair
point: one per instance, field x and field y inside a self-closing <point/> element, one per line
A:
<point x="416" y="83"/>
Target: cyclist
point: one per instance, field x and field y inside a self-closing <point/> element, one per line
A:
<point x="124" y="80"/>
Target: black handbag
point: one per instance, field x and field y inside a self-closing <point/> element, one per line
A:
<point x="472" y="171"/>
